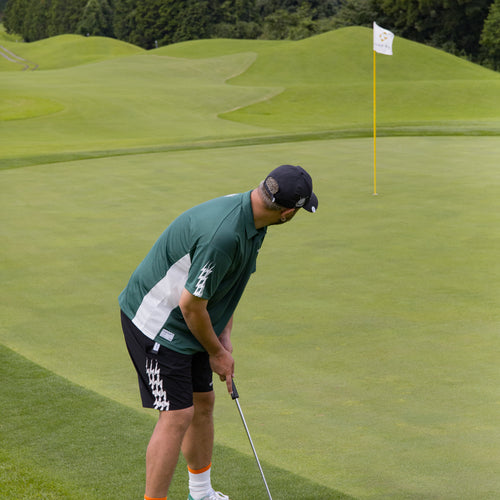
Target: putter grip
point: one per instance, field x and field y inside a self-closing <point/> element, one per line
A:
<point x="234" y="394"/>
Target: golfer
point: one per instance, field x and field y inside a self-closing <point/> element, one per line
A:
<point x="177" y="315"/>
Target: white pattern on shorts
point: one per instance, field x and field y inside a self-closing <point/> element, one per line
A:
<point x="156" y="384"/>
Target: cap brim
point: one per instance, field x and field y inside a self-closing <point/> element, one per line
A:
<point x="312" y="204"/>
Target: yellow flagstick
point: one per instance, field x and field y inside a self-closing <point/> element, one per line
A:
<point x="374" y="123"/>
<point x="382" y="42"/>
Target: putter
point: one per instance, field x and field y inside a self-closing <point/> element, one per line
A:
<point x="235" y="396"/>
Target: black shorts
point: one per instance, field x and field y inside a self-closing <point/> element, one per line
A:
<point x="167" y="379"/>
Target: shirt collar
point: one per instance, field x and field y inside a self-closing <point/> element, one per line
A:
<point x="250" y="229"/>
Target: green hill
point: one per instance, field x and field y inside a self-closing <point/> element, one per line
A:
<point x="217" y="90"/>
<point x="327" y="83"/>
<point x="344" y="54"/>
<point x="65" y="51"/>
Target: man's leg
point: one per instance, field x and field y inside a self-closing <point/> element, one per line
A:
<point x="198" y="445"/>
<point x="198" y="442"/>
<point x="163" y="450"/>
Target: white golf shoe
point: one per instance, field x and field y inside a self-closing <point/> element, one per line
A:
<point x="213" y="495"/>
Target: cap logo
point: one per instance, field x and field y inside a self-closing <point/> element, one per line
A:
<point x="301" y="202"/>
<point x="272" y="187"/>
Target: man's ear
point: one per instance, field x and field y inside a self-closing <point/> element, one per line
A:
<point x="288" y="211"/>
<point x="287" y="214"/>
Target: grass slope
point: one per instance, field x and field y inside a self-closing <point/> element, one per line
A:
<point x="327" y="82"/>
<point x="62" y="441"/>
<point x="7" y="62"/>
<point x="417" y="86"/>
<point x="65" y="51"/>
<point x="313" y="86"/>
<point x="168" y="101"/>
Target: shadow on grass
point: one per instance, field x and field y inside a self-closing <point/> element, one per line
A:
<point x="61" y="441"/>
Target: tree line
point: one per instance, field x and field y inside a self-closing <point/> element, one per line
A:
<point x="467" y="28"/>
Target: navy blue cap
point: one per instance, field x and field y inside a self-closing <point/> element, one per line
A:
<point x="291" y="187"/>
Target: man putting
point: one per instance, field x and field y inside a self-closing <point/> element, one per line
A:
<point x="177" y="316"/>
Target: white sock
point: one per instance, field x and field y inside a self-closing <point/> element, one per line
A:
<point x="199" y="483"/>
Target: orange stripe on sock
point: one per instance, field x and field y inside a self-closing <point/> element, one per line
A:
<point x="200" y="471"/>
<point x="151" y="498"/>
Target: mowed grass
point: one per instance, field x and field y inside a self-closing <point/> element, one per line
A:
<point x="65" y="51"/>
<point x="237" y="90"/>
<point x="416" y="86"/>
<point x="116" y="106"/>
<point x="76" y="444"/>
<point x="367" y="342"/>
<point x="326" y="82"/>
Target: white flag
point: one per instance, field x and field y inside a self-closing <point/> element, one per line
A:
<point x="382" y="40"/>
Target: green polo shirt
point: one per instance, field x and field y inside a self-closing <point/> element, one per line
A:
<point x="210" y="250"/>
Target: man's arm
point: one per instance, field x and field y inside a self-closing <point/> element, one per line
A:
<point x="225" y="336"/>
<point x="198" y="321"/>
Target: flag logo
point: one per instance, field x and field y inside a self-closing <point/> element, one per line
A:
<point x="382" y="40"/>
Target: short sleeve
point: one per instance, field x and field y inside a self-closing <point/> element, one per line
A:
<point x="209" y="265"/>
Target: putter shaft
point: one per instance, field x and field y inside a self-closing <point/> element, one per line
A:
<point x="235" y="396"/>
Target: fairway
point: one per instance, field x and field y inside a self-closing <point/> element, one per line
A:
<point x="266" y="91"/>
<point x="366" y="344"/>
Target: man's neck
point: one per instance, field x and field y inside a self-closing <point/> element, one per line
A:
<point x="261" y="216"/>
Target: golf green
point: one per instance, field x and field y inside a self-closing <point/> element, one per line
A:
<point x="365" y="344"/>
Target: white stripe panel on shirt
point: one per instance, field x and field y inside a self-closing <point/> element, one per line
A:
<point x="159" y="302"/>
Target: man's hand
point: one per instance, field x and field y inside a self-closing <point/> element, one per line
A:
<point x="198" y="321"/>
<point x="222" y="363"/>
